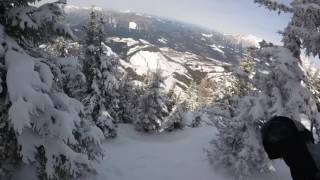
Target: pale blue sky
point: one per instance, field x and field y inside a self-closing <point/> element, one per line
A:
<point x="226" y="16"/>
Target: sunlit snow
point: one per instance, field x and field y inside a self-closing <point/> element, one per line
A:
<point x="133" y="25"/>
<point x="178" y="155"/>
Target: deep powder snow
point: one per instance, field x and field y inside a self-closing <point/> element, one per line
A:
<point x="177" y="155"/>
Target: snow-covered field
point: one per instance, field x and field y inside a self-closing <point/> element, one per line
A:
<point x="178" y="155"/>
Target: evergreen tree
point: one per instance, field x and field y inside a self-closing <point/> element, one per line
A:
<point x="193" y="98"/>
<point x="9" y="156"/>
<point x="243" y="76"/>
<point x="176" y="119"/>
<point x="69" y="76"/>
<point x="313" y="81"/>
<point x="302" y="30"/>
<point x="128" y="100"/>
<point x="279" y="93"/>
<point x="172" y="98"/>
<point x="61" y="47"/>
<point x="206" y="92"/>
<point x="32" y="25"/>
<point x="39" y="124"/>
<point x="152" y="108"/>
<point x="101" y="34"/>
<point x="101" y="67"/>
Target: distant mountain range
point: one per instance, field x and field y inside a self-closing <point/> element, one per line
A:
<point x="183" y="51"/>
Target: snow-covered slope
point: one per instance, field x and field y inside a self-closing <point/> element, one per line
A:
<point x="144" y="61"/>
<point x="218" y="49"/>
<point x="179" y="155"/>
<point x="162" y="32"/>
<point x="184" y="52"/>
<point x="178" y="68"/>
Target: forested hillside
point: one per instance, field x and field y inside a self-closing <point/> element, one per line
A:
<point x="88" y="93"/>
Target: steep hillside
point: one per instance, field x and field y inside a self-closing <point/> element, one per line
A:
<point x="184" y="52"/>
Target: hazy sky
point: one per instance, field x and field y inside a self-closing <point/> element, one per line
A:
<point x="226" y="16"/>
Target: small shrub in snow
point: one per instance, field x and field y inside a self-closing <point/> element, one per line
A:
<point x="176" y="119"/>
<point x="196" y="122"/>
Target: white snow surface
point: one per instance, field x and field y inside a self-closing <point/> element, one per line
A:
<point x="129" y="41"/>
<point x="144" y="61"/>
<point x="133" y="25"/>
<point x="137" y="48"/>
<point x="163" y="40"/>
<point x="216" y="48"/>
<point x="147" y="60"/>
<point x="178" y="155"/>
<point x="207" y="35"/>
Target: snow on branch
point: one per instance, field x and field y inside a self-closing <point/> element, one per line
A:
<point x="274" y="6"/>
<point x="49" y="16"/>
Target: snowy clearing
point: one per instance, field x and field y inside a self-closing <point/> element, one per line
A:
<point x="171" y="156"/>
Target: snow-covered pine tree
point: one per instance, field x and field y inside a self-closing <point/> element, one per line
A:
<point x="280" y="92"/>
<point x="247" y="65"/>
<point x="101" y="67"/>
<point x="21" y="19"/>
<point x="176" y="118"/>
<point x="302" y="30"/>
<point x="243" y="75"/>
<point x="237" y="147"/>
<point x="236" y="83"/>
<point x="9" y="156"/>
<point x="172" y="98"/>
<point x="61" y="47"/>
<point x="274" y="5"/>
<point x="101" y="34"/>
<point x="206" y="90"/>
<point x="313" y="80"/>
<point x="152" y="108"/>
<point x="40" y="123"/>
<point x="128" y="100"/>
<point x="91" y="29"/>
<point x="193" y="98"/>
<point x="68" y="75"/>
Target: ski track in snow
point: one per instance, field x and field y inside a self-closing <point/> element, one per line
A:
<point x="171" y="156"/>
